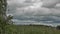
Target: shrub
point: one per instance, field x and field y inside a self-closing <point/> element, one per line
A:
<point x="58" y="27"/>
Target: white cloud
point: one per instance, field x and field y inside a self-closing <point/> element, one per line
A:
<point x="57" y="5"/>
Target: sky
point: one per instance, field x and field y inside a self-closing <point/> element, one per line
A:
<point x="35" y="11"/>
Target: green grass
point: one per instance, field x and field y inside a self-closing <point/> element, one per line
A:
<point x="32" y="30"/>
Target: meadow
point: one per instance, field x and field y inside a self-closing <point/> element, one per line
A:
<point x="31" y="29"/>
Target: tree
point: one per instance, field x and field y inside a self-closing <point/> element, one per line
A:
<point x="4" y="19"/>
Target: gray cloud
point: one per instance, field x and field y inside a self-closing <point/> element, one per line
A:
<point x="50" y="3"/>
<point x="46" y="11"/>
<point x="37" y="11"/>
<point x="46" y="20"/>
<point x="31" y="9"/>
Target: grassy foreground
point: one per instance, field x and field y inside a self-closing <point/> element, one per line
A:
<point x="19" y="29"/>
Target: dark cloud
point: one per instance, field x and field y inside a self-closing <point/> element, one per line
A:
<point x="52" y="20"/>
<point x="28" y="1"/>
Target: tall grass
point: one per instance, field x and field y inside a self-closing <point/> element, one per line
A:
<point x="20" y="29"/>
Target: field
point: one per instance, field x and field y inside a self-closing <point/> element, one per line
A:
<point x="32" y="29"/>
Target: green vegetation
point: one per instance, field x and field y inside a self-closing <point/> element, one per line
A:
<point x="6" y="26"/>
<point x="29" y="29"/>
<point x="4" y="19"/>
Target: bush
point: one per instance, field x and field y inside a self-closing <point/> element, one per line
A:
<point x="58" y="27"/>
